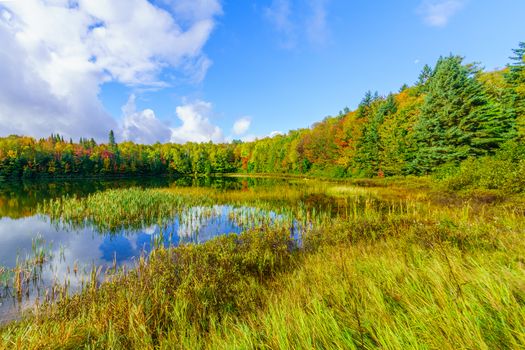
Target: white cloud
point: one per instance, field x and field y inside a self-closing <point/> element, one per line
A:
<point x="279" y="15"/>
<point x="437" y="13"/>
<point x="196" y="125"/>
<point x="316" y="25"/>
<point x="143" y="126"/>
<point x="56" y="54"/>
<point x="29" y="105"/>
<point x="194" y="9"/>
<point x="275" y="133"/>
<point x="6" y="15"/>
<point x="242" y="125"/>
<point x="298" y="20"/>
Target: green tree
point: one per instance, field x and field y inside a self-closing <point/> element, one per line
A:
<point x="369" y="145"/>
<point x="457" y="120"/>
<point x="424" y="76"/>
<point x="514" y="99"/>
<point x="112" y="142"/>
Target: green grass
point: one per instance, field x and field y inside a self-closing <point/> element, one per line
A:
<point x="114" y="210"/>
<point x="393" y="269"/>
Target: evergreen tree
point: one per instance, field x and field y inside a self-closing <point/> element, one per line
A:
<point x="517" y="67"/>
<point x="514" y="98"/>
<point x="112" y="142"/>
<point x="456" y="119"/>
<point x="424" y="76"/>
<point x="366" y="103"/>
<point x="369" y="145"/>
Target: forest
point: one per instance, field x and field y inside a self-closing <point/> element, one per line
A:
<point x="455" y="120"/>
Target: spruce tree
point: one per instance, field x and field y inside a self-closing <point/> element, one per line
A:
<point x="424" y="76"/>
<point x="514" y="98"/>
<point x="517" y="67"/>
<point x="369" y="145"/>
<point x="112" y="142"/>
<point x="457" y="120"/>
<point x="366" y="103"/>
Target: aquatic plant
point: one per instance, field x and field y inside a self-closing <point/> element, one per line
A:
<point x="375" y="270"/>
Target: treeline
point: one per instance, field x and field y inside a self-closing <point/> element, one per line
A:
<point x="455" y="112"/>
<point x="25" y="157"/>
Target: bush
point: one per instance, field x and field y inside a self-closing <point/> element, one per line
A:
<point x="488" y="173"/>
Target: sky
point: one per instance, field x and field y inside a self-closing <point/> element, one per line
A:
<point x="201" y="70"/>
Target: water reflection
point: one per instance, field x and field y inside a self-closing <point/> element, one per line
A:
<point x="20" y="199"/>
<point x="71" y="251"/>
<point x="78" y="249"/>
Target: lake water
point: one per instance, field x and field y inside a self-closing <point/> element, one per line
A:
<point x="71" y="252"/>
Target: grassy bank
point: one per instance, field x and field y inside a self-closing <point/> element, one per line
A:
<point x="390" y="268"/>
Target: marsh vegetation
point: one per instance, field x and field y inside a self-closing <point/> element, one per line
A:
<point x="312" y="265"/>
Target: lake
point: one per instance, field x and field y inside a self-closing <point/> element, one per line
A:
<point x="68" y="253"/>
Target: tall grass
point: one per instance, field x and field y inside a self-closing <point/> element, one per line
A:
<point x="134" y="208"/>
<point x="374" y="270"/>
<point x="390" y="296"/>
<point x="19" y="281"/>
<point x="114" y="210"/>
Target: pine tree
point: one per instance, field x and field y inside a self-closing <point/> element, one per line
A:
<point x="517" y="67"/>
<point x="366" y="103"/>
<point x="457" y="120"/>
<point x="514" y="98"/>
<point x="112" y="142"/>
<point x="369" y="145"/>
<point x="424" y="76"/>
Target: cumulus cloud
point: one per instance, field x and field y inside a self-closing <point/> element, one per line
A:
<point x="242" y="125"/>
<point x="296" y="20"/>
<point x="196" y="125"/>
<point x="437" y="13"/>
<point x="33" y="103"/>
<point x="142" y="126"/>
<point x="56" y="54"/>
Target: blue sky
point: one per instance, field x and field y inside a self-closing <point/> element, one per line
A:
<point x="263" y="66"/>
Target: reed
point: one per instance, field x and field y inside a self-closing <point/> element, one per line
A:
<point x="384" y="268"/>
